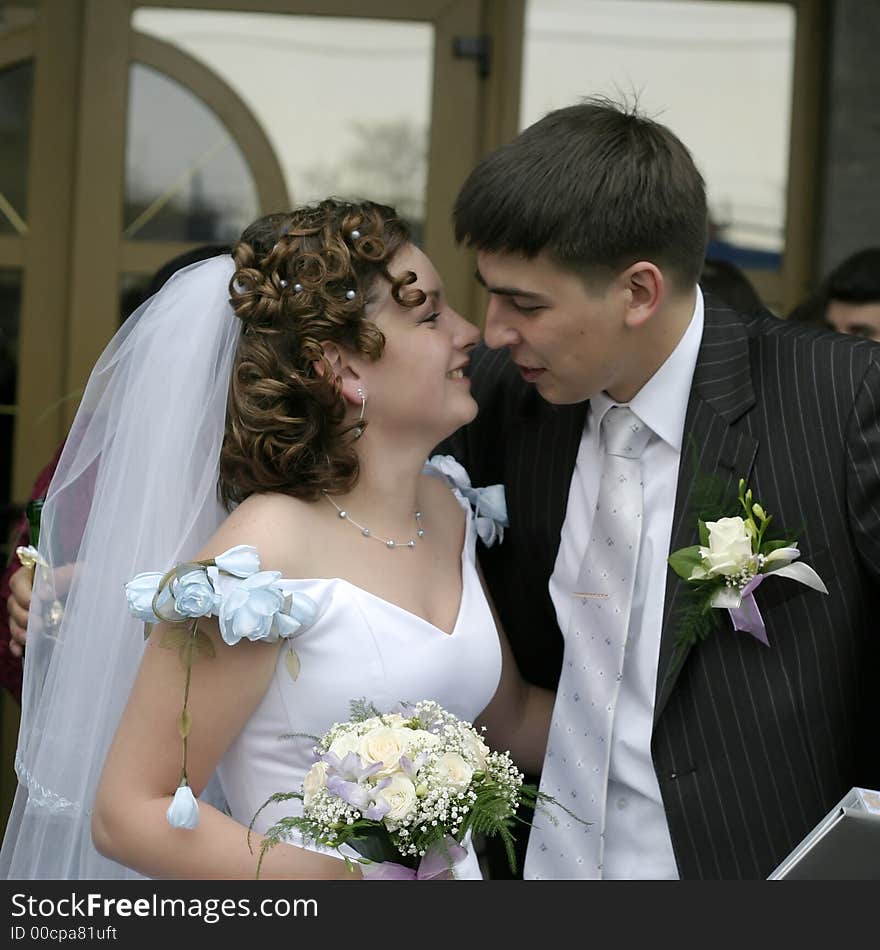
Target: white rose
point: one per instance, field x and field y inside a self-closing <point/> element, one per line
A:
<point x="477" y="748"/>
<point x="730" y="547"/>
<point x="315" y="780"/>
<point x="400" y="794"/>
<point x="394" y="719"/>
<point x="454" y="770"/>
<point x="344" y="743"/>
<point x="386" y="745"/>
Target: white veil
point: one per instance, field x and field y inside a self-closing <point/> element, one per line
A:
<point x="135" y="490"/>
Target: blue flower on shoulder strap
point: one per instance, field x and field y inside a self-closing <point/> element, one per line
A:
<point x="250" y="604"/>
<point x="489" y="504"/>
<point x="726" y="569"/>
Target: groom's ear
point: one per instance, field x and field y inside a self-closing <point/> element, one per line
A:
<point x="645" y="288"/>
<point x="338" y="362"/>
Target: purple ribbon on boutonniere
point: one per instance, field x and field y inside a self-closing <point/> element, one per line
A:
<point x="741" y="604"/>
<point x="747" y="617"/>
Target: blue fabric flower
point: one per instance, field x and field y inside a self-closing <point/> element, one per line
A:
<point x="183" y="812"/>
<point x="490" y="512"/>
<point x="139" y="592"/>
<point x="489" y="503"/>
<point x="258" y="609"/>
<point x="194" y="595"/>
<point x="299" y="611"/>
<point x="240" y="561"/>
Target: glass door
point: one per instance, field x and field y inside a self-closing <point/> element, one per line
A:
<point x="135" y="134"/>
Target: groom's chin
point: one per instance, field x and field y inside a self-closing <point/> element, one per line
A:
<point x="556" y="395"/>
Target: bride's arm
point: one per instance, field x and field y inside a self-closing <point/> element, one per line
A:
<point x="518" y="717"/>
<point x="142" y="769"/>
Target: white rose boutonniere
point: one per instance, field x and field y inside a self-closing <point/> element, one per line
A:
<point x="733" y="559"/>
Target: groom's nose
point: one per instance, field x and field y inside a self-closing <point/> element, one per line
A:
<point x="499" y="330"/>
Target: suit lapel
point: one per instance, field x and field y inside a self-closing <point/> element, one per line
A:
<point x="715" y="443"/>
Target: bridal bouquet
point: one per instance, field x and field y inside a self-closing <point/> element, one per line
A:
<point x="403" y="789"/>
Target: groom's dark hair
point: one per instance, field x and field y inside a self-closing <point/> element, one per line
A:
<point x="596" y="186"/>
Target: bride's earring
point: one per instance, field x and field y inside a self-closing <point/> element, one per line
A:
<point x="360" y="428"/>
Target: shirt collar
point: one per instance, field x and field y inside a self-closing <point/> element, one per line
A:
<point x="662" y="402"/>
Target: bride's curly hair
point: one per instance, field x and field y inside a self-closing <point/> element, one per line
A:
<point x="301" y="280"/>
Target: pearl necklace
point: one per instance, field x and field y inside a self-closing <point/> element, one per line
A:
<point x="367" y="533"/>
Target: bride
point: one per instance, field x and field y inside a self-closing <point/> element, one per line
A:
<point x="286" y="399"/>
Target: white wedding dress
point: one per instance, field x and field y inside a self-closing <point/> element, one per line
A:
<point x="360" y="647"/>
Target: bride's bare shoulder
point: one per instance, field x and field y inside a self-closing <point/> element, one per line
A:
<point x="282" y="528"/>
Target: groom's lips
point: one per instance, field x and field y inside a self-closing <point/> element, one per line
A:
<point x="530" y="373"/>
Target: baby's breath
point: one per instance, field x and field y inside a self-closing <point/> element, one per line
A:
<point x="442" y="782"/>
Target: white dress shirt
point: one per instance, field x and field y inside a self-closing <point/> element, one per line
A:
<point x="637" y="842"/>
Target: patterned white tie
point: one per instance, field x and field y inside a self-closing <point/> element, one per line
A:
<point x="579" y="745"/>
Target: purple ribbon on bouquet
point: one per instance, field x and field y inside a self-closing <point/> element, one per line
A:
<point x="747" y="617"/>
<point x="435" y="865"/>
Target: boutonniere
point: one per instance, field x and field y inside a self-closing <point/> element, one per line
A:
<point x="733" y="558"/>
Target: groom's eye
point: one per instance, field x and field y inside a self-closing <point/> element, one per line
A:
<point x="526" y="308"/>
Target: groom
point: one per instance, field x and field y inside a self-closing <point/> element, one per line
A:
<point x="711" y="760"/>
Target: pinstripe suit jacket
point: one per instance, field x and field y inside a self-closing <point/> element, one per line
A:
<point x="751" y="746"/>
